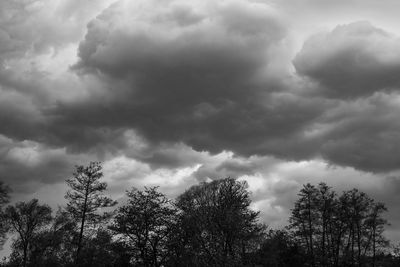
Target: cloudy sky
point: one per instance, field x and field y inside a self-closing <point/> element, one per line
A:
<point x="172" y="92"/>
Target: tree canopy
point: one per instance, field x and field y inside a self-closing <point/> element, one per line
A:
<point x="26" y="219"/>
<point x="86" y="198"/>
<point x="209" y="224"/>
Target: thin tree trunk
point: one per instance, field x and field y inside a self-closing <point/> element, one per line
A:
<point x="305" y="236"/>
<point x="243" y="253"/>
<point x="373" y="246"/>
<point x="323" y="239"/>
<point x="82" y="227"/>
<point x="25" y="255"/>
<point x="359" y="244"/>
<point x="337" y="249"/>
<point x="352" y="246"/>
<point x="310" y="233"/>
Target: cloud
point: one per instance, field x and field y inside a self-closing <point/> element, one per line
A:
<point x="37" y="42"/>
<point x="191" y="74"/>
<point x="174" y="92"/>
<point x="173" y="83"/>
<point x="198" y="87"/>
<point x="274" y="189"/>
<point x="353" y="60"/>
<point x="32" y="27"/>
<point x="364" y="133"/>
<point x="28" y="165"/>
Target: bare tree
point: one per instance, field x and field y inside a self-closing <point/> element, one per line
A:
<point x="26" y="219"/>
<point x="304" y="218"/>
<point x="145" y="223"/>
<point x="337" y="230"/>
<point x="375" y="224"/>
<point x="86" y="198"/>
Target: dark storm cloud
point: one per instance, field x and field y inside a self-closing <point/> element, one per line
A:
<point x="364" y="133"/>
<point x="202" y="77"/>
<point x="352" y="61"/>
<point x="168" y="155"/>
<point x="198" y="84"/>
<point x="194" y="82"/>
<point x="32" y="37"/>
<point x="174" y="92"/>
<point x="26" y="165"/>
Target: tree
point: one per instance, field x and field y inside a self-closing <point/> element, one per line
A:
<point x="26" y="220"/>
<point x="4" y="194"/>
<point x="280" y="249"/>
<point x="102" y="251"/>
<point x="376" y="225"/>
<point x="86" y="198"/>
<point x="304" y="219"/>
<point x="343" y="230"/>
<point x="145" y="223"/>
<point x="219" y="228"/>
<point x="355" y="205"/>
<point x="54" y="245"/>
<point x="4" y="199"/>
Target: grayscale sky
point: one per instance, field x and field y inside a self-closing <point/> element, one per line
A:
<point x="173" y="92"/>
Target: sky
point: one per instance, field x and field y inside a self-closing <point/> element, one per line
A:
<point x="171" y="93"/>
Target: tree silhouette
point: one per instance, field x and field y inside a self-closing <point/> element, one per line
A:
<point x="26" y="219"/>
<point x="4" y="199"/>
<point x="376" y="225"/>
<point x="145" y="224"/>
<point x="220" y="228"/>
<point x="343" y="230"/>
<point x="86" y="198"/>
<point x="210" y="224"/>
<point x="54" y="245"/>
<point x="303" y="219"/>
<point x="280" y="249"/>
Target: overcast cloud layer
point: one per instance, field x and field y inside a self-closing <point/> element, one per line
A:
<point x="175" y="92"/>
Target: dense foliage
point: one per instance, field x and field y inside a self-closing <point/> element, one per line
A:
<point x="210" y="224"/>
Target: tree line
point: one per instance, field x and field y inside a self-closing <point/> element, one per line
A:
<point x="210" y="224"/>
